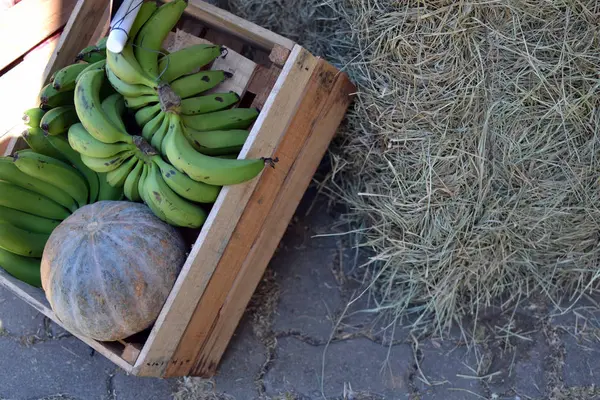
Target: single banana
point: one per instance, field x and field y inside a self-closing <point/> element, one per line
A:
<point x="143" y="175"/>
<point x="207" y="169"/>
<point x="161" y="132"/>
<point x="184" y="186"/>
<point x="149" y="39"/>
<point x="30" y="202"/>
<point x="208" y="103"/>
<point x="235" y="118"/>
<point x="39" y="143"/>
<point x="54" y="172"/>
<point x="64" y="78"/>
<point x="25" y="269"/>
<point x="58" y="120"/>
<point x="97" y="66"/>
<point x="33" y="116"/>
<point x="10" y="173"/>
<point x="130" y="187"/>
<point x="50" y="97"/>
<point x="61" y="144"/>
<point x="91" y="54"/>
<point x="126" y="68"/>
<point x="108" y="192"/>
<point x="117" y="176"/>
<point x="231" y="156"/>
<point x="140" y="101"/>
<point x="153" y="125"/>
<point x="145" y="114"/>
<point x="216" y="143"/>
<point x="22" y="242"/>
<point x="114" y="108"/>
<point x="106" y="164"/>
<point x="168" y="205"/>
<point x="144" y="13"/>
<point x="184" y="61"/>
<point x="127" y="89"/>
<point x="26" y="221"/>
<point x="82" y="142"/>
<point x="89" y="110"/>
<point x="191" y="85"/>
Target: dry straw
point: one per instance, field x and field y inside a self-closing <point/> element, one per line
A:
<point x="470" y="159"/>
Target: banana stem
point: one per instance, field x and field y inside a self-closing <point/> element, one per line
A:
<point x="145" y="151"/>
<point x="169" y="100"/>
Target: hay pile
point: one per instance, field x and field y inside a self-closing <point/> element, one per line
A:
<point x="470" y="161"/>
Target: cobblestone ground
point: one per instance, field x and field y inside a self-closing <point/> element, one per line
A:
<point x="299" y="339"/>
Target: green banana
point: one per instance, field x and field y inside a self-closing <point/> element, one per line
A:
<point x="208" y="103"/>
<point x="144" y="13"/>
<point x="50" y="97"/>
<point x="55" y="172"/>
<point x="143" y="175"/>
<point x="231" y="156"/>
<point x="235" y="118"/>
<point x="114" y="108"/>
<point x="89" y="110"/>
<point x="184" y="186"/>
<point x="84" y="143"/>
<point x="22" y="242"/>
<point x="28" y="222"/>
<point x="91" y="54"/>
<point x="191" y="85"/>
<point x="39" y="143"/>
<point x="152" y="126"/>
<point x="161" y="132"/>
<point x="127" y="89"/>
<point x="58" y="120"/>
<point x="106" y="164"/>
<point x="61" y="144"/>
<point x="10" y="173"/>
<point x="64" y="78"/>
<point x="216" y="143"/>
<point x="168" y="205"/>
<point x="25" y="269"/>
<point x="152" y="34"/>
<point x="33" y="116"/>
<point x="184" y="61"/>
<point x="97" y="66"/>
<point x="108" y="192"/>
<point x="117" y="176"/>
<point x="207" y="169"/>
<point x="126" y="68"/>
<point x="130" y="187"/>
<point x="145" y="114"/>
<point x="30" y="202"/>
<point x="140" y="101"/>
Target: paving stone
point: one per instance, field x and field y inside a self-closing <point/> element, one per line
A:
<point x="359" y="363"/>
<point x="16" y="316"/>
<point x="241" y="363"/>
<point x="52" y="367"/>
<point x="441" y="365"/>
<point x="581" y="361"/>
<point x="129" y="387"/>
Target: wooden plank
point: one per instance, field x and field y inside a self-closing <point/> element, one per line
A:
<point x="252" y="220"/>
<point x="78" y="33"/>
<point x="323" y="129"/>
<point x="246" y="30"/>
<point x="241" y="67"/>
<point x="192" y="280"/>
<point x="21" y="85"/>
<point x="262" y="83"/>
<point x="35" y="298"/>
<point x="28" y="23"/>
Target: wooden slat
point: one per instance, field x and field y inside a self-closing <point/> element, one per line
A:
<point x="245" y="30"/>
<point x="252" y="220"/>
<point x="227" y="209"/>
<point x="241" y="67"/>
<point x="322" y="131"/>
<point x="28" y="23"/>
<point x="87" y="15"/>
<point x="35" y="298"/>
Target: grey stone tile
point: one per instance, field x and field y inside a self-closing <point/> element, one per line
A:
<point x="581" y="361"/>
<point x="129" y="387"/>
<point x="16" y="316"/>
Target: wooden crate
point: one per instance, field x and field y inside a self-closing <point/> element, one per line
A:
<point x="302" y="100"/>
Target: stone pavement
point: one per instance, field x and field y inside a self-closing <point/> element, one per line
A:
<point x="299" y="340"/>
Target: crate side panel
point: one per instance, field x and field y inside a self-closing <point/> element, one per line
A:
<point x="218" y="228"/>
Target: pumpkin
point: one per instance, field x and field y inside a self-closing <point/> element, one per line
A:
<point x="108" y="268"/>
